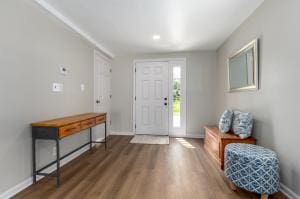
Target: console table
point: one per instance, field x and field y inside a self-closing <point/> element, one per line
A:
<point x="60" y="128"/>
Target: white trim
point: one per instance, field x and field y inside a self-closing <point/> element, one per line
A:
<point x="16" y="189"/>
<point x="196" y="136"/>
<point x="122" y="133"/>
<point x="133" y="97"/>
<point x="75" y="27"/>
<point x="288" y="192"/>
<point x="100" y="54"/>
<point x="255" y="86"/>
<point x="94" y="76"/>
<point x="26" y="183"/>
<point x="169" y="60"/>
<point x="189" y="135"/>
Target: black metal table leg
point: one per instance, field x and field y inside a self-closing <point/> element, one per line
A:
<point x="57" y="163"/>
<point x="33" y="161"/>
<point x="91" y="139"/>
<point x="52" y="133"/>
<point x="105" y="135"/>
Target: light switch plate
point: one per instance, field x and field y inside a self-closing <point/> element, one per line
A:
<point x="82" y="87"/>
<point x="57" y="87"/>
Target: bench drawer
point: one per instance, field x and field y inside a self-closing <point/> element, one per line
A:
<point x="211" y="144"/>
<point x="69" y="129"/>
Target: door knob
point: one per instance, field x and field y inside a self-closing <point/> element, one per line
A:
<point x="166" y="103"/>
<point x="98" y="101"/>
<point x="166" y="98"/>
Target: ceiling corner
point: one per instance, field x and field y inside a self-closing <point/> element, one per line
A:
<point x="75" y="27"/>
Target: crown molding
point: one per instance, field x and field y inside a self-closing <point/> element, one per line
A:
<point x="72" y="25"/>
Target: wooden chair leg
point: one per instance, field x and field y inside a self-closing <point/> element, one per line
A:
<point x="232" y="186"/>
<point x="264" y="196"/>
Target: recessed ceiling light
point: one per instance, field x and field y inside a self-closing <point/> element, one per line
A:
<point x="156" y="37"/>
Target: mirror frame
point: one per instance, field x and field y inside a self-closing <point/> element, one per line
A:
<point x="252" y="45"/>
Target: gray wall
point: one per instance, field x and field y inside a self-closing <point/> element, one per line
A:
<point x="33" y="45"/>
<point x="275" y="105"/>
<point x="201" y="100"/>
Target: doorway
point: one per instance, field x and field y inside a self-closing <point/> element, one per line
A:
<point x="159" y="106"/>
<point x="102" y="91"/>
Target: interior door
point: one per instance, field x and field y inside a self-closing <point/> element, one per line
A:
<point x="102" y="97"/>
<point x="151" y="101"/>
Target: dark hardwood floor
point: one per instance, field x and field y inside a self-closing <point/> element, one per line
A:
<point x="181" y="170"/>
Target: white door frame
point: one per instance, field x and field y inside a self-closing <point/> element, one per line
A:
<point x="98" y="53"/>
<point x="172" y="131"/>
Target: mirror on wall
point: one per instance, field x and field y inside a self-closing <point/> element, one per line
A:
<point x="243" y="68"/>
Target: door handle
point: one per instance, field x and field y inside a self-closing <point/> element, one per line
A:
<point x="98" y="101"/>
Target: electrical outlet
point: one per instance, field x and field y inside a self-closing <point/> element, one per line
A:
<point x="57" y="87"/>
<point x="54" y="151"/>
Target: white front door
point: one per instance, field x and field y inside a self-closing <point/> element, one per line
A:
<point x="102" y="91"/>
<point x="151" y="88"/>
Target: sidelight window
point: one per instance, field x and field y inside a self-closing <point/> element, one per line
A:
<point x="176" y="96"/>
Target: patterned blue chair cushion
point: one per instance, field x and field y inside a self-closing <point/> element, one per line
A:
<point x="225" y="121"/>
<point x="242" y="124"/>
<point x="252" y="167"/>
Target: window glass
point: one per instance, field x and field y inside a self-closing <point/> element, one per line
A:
<point x="176" y="95"/>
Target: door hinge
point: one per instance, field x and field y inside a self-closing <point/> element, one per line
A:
<point x="135" y="126"/>
<point x="134" y="69"/>
<point x="110" y="70"/>
<point x="110" y="96"/>
<point x="110" y="122"/>
<point x="135" y="98"/>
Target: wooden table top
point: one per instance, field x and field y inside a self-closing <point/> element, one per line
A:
<point x="67" y="120"/>
<point x="229" y="135"/>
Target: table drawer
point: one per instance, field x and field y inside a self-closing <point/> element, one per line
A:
<point x="69" y="129"/>
<point x="100" y="119"/>
<point x="87" y="124"/>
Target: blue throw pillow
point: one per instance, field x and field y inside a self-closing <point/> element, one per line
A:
<point x="225" y="121"/>
<point x="242" y="124"/>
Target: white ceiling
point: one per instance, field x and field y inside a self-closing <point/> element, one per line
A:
<point x="127" y="26"/>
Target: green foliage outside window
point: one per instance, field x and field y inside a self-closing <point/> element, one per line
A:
<point x="176" y="97"/>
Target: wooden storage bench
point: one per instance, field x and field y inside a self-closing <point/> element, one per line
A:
<point x="215" y="142"/>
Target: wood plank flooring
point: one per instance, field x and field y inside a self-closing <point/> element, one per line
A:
<point x="181" y="170"/>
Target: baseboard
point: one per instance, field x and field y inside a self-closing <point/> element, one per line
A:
<point x="195" y="136"/>
<point x="288" y="192"/>
<point x="122" y="133"/>
<point x="16" y="189"/>
<point x="26" y="183"/>
<point x="183" y="136"/>
<point x="188" y="136"/>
